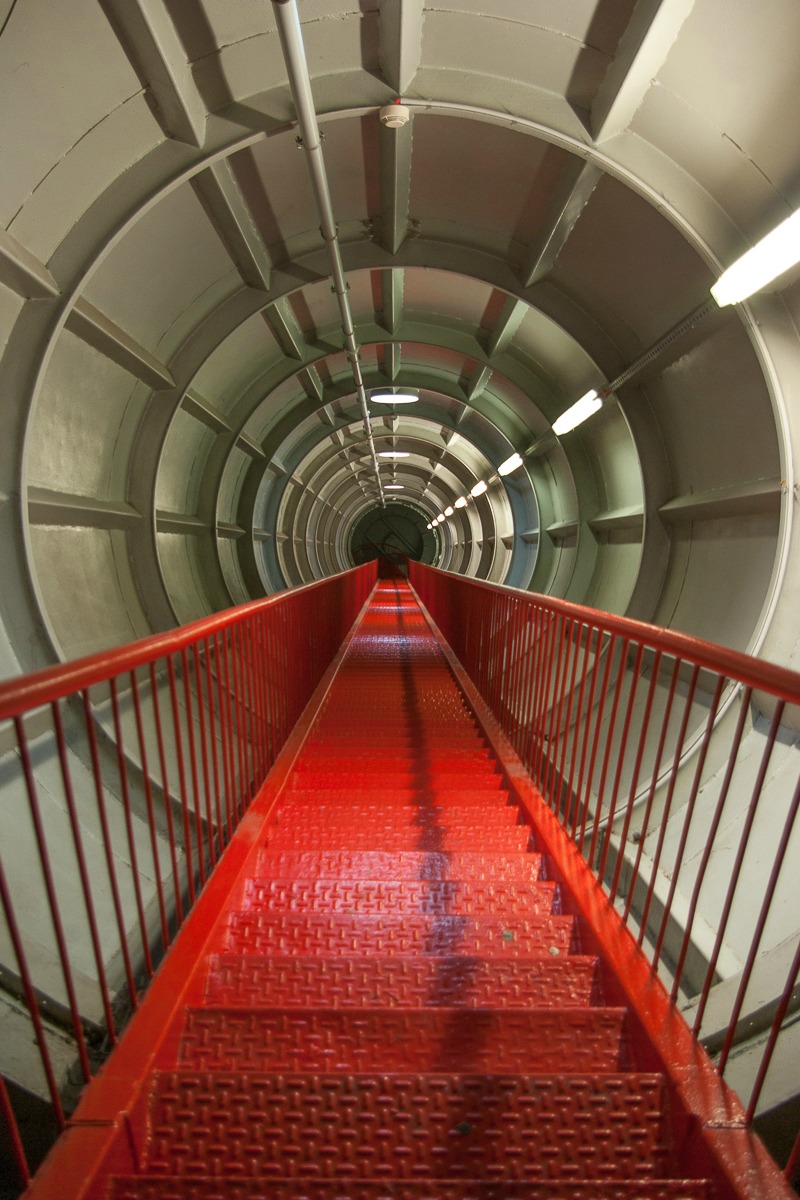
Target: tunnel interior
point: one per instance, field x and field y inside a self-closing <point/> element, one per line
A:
<point x="396" y="531"/>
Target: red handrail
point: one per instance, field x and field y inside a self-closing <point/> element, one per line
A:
<point x="128" y="772"/>
<point x="20" y="695"/>
<point x="684" y="808"/>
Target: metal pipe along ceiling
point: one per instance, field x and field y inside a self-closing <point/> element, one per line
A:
<point x="291" y="38"/>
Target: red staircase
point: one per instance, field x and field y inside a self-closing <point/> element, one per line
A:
<point x="397" y="1001"/>
<point x="387" y="990"/>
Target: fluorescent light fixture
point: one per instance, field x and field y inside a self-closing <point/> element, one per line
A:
<point x="393" y="487"/>
<point x="581" y="411"/>
<point x="440" y="518"/>
<point x="429" y="525"/>
<point x="479" y="489"/>
<point x="448" y="512"/>
<point x="510" y="465"/>
<point x="394" y="454"/>
<point x="461" y="502"/>
<point x="384" y="397"/>
<point x="768" y="259"/>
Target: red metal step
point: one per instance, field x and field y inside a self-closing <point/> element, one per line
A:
<point x="421" y="797"/>
<point x="412" y="982"/>
<point x="265" y="932"/>
<point x="408" y="837"/>
<point x="308" y="813"/>
<point x="368" y="896"/>
<point x="491" y="1127"/>
<point x="176" y="1188"/>
<point x="404" y="1040"/>
<point x="410" y="864"/>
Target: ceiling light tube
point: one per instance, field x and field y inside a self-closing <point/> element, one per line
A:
<point x="384" y="397"/>
<point x="581" y="411"/>
<point x="479" y="489"/>
<point x="765" y="261"/>
<point x="393" y="487"/>
<point x="461" y="502"/>
<point x="393" y="454"/>
<point x="510" y="465"/>
<point x="448" y="512"/>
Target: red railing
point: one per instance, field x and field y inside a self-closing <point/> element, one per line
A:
<point x="123" y="777"/>
<point x="674" y="767"/>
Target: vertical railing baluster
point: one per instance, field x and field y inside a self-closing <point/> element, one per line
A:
<point x="225" y="733"/>
<point x="651" y="791"/>
<point x="680" y="742"/>
<point x="598" y="725"/>
<point x="710" y="836"/>
<point x="245" y="709"/>
<point x="540" y="716"/>
<point x="108" y="849"/>
<point x="585" y="634"/>
<point x="83" y="870"/>
<point x="162" y="761"/>
<point x="151" y="817"/>
<point x="206" y="774"/>
<point x="136" y="883"/>
<point x="564" y="724"/>
<point x="582" y="802"/>
<point x="182" y="787"/>
<point x="623" y="745"/>
<point x="212" y="738"/>
<point x="623" y="646"/>
<point x="687" y="821"/>
<point x="556" y="714"/>
<point x="637" y="766"/>
<point x="197" y="805"/>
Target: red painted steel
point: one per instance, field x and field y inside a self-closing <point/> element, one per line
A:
<point x="182" y="728"/>
<point x="622" y="748"/>
<point x="394" y="1001"/>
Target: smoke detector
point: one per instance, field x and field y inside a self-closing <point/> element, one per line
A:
<point x="394" y="116"/>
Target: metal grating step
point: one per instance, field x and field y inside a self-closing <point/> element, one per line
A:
<point x="175" y="1188"/>
<point x="494" y="1127"/>
<point x="368" y="896"/>
<point x="410" y="864"/>
<point x="409" y="837"/>
<point x="329" y="934"/>
<point x="421" y="795"/>
<point x="406" y="752"/>
<point x="404" y="1040"/>
<point x="374" y="821"/>
<point x="410" y="775"/>
<point x="412" y="982"/>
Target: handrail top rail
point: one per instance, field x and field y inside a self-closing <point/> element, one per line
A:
<point x="756" y="673"/>
<point x="21" y="694"/>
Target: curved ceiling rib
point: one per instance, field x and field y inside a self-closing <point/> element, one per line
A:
<point x="185" y="432"/>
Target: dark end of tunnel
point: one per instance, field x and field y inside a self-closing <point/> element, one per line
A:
<point x="393" y="535"/>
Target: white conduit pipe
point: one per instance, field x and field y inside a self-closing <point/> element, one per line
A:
<point x="288" y="21"/>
